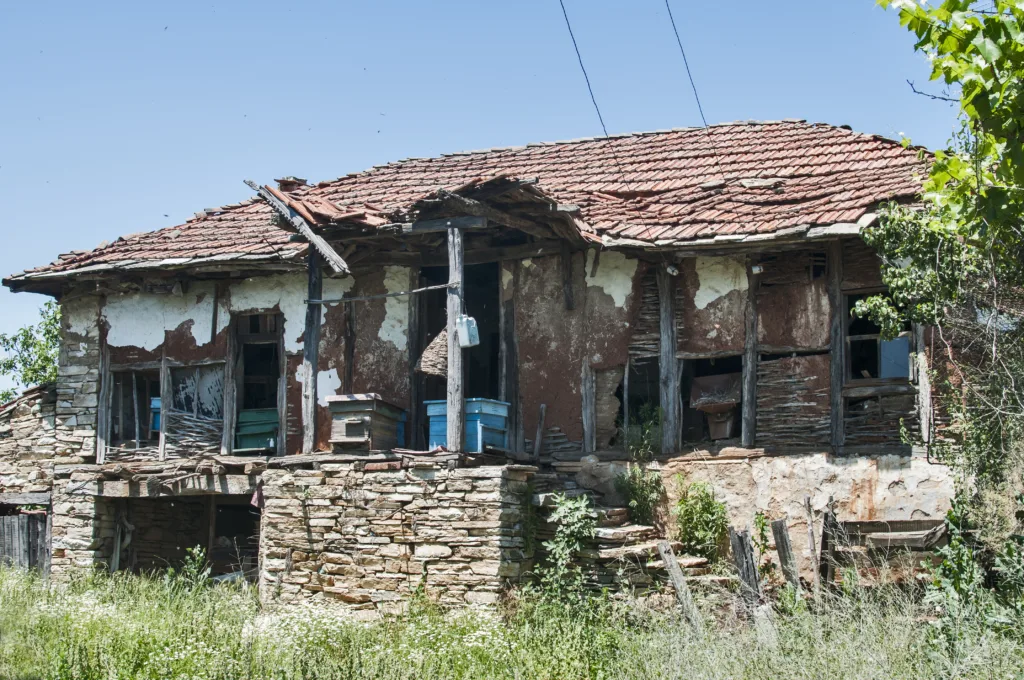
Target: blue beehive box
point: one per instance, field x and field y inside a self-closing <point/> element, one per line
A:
<point x="486" y="424"/>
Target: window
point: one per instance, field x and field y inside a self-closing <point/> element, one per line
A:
<point x="198" y="390"/>
<point x="134" y="415"/>
<point x="868" y="356"/>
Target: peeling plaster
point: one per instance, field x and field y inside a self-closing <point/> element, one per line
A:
<point x="79" y="315"/>
<point x="614" y="275"/>
<point x="395" y="328"/>
<point x="328" y="383"/>
<point x="718" y="276"/>
<point x="287" y="292"/>
<point x="141" y="319"/>
<point x="506" y="279"/>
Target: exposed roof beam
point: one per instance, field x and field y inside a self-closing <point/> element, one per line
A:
<point x="304" y="228"/>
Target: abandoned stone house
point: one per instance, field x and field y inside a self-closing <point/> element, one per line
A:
<point x="352" y="388"/>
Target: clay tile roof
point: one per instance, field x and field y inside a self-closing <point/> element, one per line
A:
<point x="742" y="179"/>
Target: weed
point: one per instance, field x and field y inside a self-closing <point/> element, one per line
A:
<point x="701" y="520"/>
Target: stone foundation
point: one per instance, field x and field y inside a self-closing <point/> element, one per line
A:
<point x="371" y="534"/>
<point x="28" y="441"/>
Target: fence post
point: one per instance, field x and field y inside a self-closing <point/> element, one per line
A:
<point x="743" y="554"/>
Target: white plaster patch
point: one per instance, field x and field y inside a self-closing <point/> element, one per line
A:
<point x="79" y="315"/>
<point x="506" y="279"/>
<point x="527" y="263"/>
<point x="327" y="384"/>
<point x="141" y="319"/>
<point x="287" y="292"/>
<point x="614" y="275"/>
<point x="718" y="276"/>
<point x="395" y="328"/>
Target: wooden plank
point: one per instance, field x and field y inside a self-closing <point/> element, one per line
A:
<point x="827" y="562"/>
<point x="625" y="401"/>
<point x="165" y="403"/>
<point x="232" y="375"/>
<point x="416" y="382"/>
<point x="42" y="498"/>
<point x="812" y="543"/>
<point x="135" y="410"/>
<point x="746" y="567"/>
<point x="469" y="206"/>
<point x="303" y="227"/>
<point x="311" y="350"/>
<point x="455" y="395"/>
<point x="785" y="550"/>
<point x="669" y="377"/>
<point x="589" y="406"/>
<point x="838" y="345"/>
<point x="566" y="261"/>
<point x="675" y="574"/>
<point x="444" y="224"/>
<point x="750" y="355"/>
<point x="349" y="336"/>
<point x="104" y="403"/>
<point x="510" y="357"/>
<point x="862" y="391"/>
<point x="538" y="441"/>
<point x="282" y="390"/>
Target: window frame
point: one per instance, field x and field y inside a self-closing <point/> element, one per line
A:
<point x="877" y="337"/>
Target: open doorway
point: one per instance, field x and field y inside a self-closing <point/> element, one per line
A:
<point x="258" y="377"/>
<point x="712" y="396"/>
<point x="481" y="363"/>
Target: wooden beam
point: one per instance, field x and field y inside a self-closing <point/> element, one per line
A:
<point x="311" y="350"/>
<point x="675" y="574"/>
<point x="282" y="390"/>
<point x="349" y="336"/>
<point x="837" y="373"/>
<point x="750" y="357"/>
<point x="746" y="567"/>
<point x="416" y="381"/>
<point x="165" y="403"/>
<point x="303" y="227"/>
<point x="669" y="376"/>
<point x="104" y="403"/>
<point x="444" y="224"/>
<point x="135" y="410"/>
<point x="230" y="405"/>
<point x="25" y="498"/>
<point x="510" y="358"/>
<point x="538" y="441"/>
<point x="456" y="397"/>
<point x="469" y="206"/>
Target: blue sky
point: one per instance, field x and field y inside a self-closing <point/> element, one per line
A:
<point x="124" y="117"/>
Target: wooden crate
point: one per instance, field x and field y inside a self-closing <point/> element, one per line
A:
<point x="364" y="421"/>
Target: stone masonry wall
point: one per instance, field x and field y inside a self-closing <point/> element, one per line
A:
<point x="82" y="533"/>
<point x="369" y="534"/>
<point x="28" y="442"/>
<point x="78" y="379"/>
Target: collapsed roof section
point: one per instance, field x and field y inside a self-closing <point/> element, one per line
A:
<point x="732" y="183"/>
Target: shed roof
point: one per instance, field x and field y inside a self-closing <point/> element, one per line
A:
<point x="734" y="181"/>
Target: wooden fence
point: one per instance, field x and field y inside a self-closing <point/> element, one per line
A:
<point x="24" y="541"/>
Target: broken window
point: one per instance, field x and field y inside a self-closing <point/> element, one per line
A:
<point x="870" y="357"/>
<point x="135" y="408"/>
<point x="711" y="398"/>
<point x="198" y="390"/>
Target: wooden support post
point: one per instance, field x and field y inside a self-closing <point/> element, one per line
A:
<point x="211" y="509"/>
<point x="746" y="567"/>
<point x="538" y="441"/>
<point x="135" y="410"/>
<point x="230" y="408"/>
<point x="785" y="550"/>
<point x="675" y="574"/>
<point x="625" y="404"/>
<point x="588" y="400"/>
<point x="282" y="390"/>
<point x="311" y="350"/>
<point x="750" y="358"/>
<point x="812" y="543"/>
<point x="510" y="356"/>
<point x="829" y="535"/>
<point x="165" y="403"/>
<point x="349" y="333"/>
<point x="669" y="377"/>
<point x="104" y="404"/>
<point x="416" y="382"/>
<point x="837" y="342"/>
<point x="566" y="257"/>
<point x="456" y="397"/>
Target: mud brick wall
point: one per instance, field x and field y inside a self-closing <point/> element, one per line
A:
<point x="367" y="535"/>
<point x="28" y="442"/>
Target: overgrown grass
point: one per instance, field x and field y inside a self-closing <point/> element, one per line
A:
<point x="131" y="627"/>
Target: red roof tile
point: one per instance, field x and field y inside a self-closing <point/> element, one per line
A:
<point x="680" y="185"/>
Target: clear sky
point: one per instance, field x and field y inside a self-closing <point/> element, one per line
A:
<point x="119" y="117"/>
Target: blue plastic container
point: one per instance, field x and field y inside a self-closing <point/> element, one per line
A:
<point x="486" y="424"/>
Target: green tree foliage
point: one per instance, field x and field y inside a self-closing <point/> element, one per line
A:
<point x="30" y="353"/>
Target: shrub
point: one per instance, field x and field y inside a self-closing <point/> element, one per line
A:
<point x="701" y="520"/>
<point x="643" y="490"/>
<point x="574" y="524"/>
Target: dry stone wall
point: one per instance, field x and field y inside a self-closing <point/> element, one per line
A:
<point x="78" y="380"/>
<point x="370" y="534"/>
<point x="28" y="442"/>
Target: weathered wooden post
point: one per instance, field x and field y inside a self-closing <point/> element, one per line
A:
<point x="746" y="567"/>
<point x="750" y="355"/>
<point x="785" y="550"/>
<point x="812" y="543"/>
<point x="675" y="574"/>
<point x="669" y="376"/>
<point x="456" y="291"/>
<point x="310" y="351"/>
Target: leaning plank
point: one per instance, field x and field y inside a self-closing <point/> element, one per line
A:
<point x="303" y="227"/>
<point x="683" y="594"/>
<point x="746" y="567"/>
<point x="785" y="550"/>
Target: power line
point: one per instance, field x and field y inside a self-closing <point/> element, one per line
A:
<point x="693" y="85"/>
<point x="583" y="68"/>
